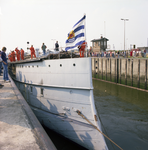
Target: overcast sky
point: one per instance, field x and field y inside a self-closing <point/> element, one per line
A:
<point x="39" y="21"/>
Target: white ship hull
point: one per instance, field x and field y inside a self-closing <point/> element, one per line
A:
<point x="55" y="90"/>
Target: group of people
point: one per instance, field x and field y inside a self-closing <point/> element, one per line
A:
<point x="43" y="47"/>
<point x="125" y="54"/>
<point x="18" y="53"/>
<point x="15" y="53"/>
<point x="105" y="54"/>
<point x="109" y="54"/>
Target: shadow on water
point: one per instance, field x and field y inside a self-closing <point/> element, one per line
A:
<point x="124" y="114"/>
<point x="61" y="142"/>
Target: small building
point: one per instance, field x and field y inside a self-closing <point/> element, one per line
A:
<point x="99" y="45"/>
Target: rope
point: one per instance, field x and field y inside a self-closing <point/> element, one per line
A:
<point x="79" y="113"/>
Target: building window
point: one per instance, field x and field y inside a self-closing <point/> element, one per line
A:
<point x="104" y="43"/>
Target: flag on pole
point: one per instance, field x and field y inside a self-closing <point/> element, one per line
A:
<point x="77" y="35"/>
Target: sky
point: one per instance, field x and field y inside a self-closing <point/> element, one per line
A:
<point x="48" y="21"/>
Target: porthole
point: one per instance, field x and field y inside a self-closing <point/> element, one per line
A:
<point x="37" y="66"/>
<point x="60" y="65"/>
<point x="74" y="64"/>
<point x="42" y="91"/>
<point x="48" y="65"/>
<point x="32" y="66"/>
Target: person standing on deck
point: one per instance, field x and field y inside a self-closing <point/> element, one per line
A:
<point x="5" y="65"/>
<point x="56" y="46"/>
<point x="17" y="54"/>
<point x="22" y="54"/>
<point x="10" y="57"/>
<point x="13" y="56"/>
<point x="82" y="49"/>
<point x="32" y="51"/>
<point x="44" y="48"/>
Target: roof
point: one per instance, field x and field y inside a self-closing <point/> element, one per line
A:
<point x="101" y="39"/>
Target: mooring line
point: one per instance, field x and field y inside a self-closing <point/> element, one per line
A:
<point x="79" y="113"/>
<point x="104" y="128"/>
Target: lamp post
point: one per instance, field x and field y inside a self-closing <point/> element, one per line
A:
<point x="124" y="30"/>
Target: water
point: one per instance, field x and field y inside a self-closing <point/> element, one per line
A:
<point x="124" y="116"/>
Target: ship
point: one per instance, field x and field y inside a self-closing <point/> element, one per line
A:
<point x="60" y="93"/>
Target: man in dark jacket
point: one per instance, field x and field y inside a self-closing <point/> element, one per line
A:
<point x="56" y="46"/>
<point x="5" y="65"/>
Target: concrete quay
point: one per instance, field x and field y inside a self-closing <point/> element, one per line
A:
<point x="19" y="127"/>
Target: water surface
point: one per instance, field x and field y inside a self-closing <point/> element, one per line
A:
<point x="124" y="114"/>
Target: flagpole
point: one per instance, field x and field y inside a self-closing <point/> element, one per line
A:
<point x="85" y="33"/>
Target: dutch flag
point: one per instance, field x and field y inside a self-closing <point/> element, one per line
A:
<point x="77" y="35"/>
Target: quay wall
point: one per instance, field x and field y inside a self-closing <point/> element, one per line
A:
<point x="128" y="71"/>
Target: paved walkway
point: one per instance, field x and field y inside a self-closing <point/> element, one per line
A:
<point x="16" y="130"/>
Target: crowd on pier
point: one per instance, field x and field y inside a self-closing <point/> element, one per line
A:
<point x="117" y="54"/>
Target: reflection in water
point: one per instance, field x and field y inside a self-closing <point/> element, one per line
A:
<point x="124" y="114"/>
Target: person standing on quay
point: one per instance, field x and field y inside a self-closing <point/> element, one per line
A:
<point x="5" y="64"/>
<point x="44" y="48"/>
<point x="144" y="52"/>
<point x="118" y="54"/>
<point x="56" y="46"/>
<point x="32" y="51"/>
<point x="0" y="64"/>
